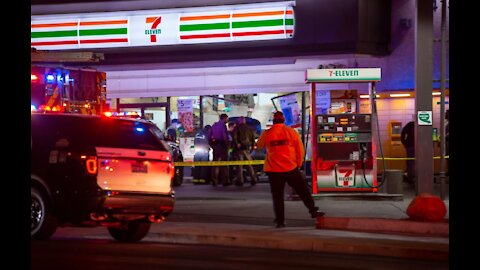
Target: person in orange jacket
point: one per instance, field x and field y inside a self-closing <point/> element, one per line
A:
<point x="284" y="158"/>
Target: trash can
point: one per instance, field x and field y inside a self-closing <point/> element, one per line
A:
<point x="394" y="182"/>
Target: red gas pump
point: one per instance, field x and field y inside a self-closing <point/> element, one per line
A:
<point x="345" y="153"/>
<point x="343" y="148"/>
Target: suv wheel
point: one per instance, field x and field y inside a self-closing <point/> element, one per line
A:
<point x="43" y="223"/>
<point x="134" y="231"/>
<point x="178" y="178"/>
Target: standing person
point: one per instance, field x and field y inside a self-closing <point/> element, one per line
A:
<point x="218" y="140"/>
<point x="408" y="140"/>
<point x="201" y="174"/>
<point x="285" y="155"/>
<point x="447" y="139"/>
<point x="231" y="150"/>
<point x="243" y="141"/>
<point x="172" y="130"/>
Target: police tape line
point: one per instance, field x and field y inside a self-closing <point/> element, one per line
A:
<point x="255" y="162"/>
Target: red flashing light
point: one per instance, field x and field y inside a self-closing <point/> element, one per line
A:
<point x="33" y="77"/>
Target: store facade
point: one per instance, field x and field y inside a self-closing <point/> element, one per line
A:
<point x="236" y="57"/>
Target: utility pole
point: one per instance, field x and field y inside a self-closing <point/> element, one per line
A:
<point x="423" y="94"/>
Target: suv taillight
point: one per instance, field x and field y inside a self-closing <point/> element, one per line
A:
<point x="91" y="164"/>
<point x="172" y="170"/>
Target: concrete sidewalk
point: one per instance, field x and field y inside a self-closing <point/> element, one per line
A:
<point x="302" y="238"/>
<point x="243" y="217"/>
<point x="354" y="224"/>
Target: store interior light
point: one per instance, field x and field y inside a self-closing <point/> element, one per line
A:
<point x="368" y="96"/>
<point x="399" y="95"/>
<point x="436" y="94"/>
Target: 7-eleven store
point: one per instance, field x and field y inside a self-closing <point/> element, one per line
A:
<point x="248" y="58"/>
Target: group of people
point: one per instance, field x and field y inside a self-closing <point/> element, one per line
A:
<point x="233" y="143"/>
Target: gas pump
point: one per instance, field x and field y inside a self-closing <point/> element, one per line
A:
<point x="343" y="144"/>
<point x="345" y="152"/>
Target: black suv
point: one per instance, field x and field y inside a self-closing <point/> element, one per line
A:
<point x="99" y="171"/>
<point x="177" y="157"/>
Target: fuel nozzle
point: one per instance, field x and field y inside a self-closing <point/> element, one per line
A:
<point x="363" y="151"/>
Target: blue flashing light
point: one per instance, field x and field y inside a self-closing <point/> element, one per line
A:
<point x="50" y="78"/>
<point x="139" y="129"/>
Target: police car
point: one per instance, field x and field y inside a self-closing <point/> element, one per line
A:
<point x="99" y="171"/>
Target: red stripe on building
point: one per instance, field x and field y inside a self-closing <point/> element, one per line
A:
<point x="206" y="36"/>
<point x="261" y="33"/>
<point x="52" y="43"/>
<point x="111" y="40"/>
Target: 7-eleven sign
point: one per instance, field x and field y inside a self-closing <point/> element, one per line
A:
<point x="345" y="176"/>
<point x="154" y="30"/>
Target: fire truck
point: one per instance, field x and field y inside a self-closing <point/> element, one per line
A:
<point x="60" y="89"/>
<point x="56" y="88"/>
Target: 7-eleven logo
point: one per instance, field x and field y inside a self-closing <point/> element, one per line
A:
<point x="345" y="176"/>
<point x="153" y="31"/>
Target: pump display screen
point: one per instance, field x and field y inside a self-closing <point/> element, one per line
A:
<point x="344" y="123"/>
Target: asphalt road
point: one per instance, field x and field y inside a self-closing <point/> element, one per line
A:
<point x="68" y="251"/>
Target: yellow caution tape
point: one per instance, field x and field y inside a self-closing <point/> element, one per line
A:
<point x="220" y="163"/>
<point x="254" y="162"/>
<point x="392" y="158"/>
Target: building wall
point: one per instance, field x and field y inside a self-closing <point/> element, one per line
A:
<point x="398" y="68"/>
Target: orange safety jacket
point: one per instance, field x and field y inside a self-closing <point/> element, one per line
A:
<point x="285" y="150"/>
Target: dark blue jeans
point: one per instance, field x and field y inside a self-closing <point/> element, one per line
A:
<point x="277" y="187"/>
<point x="220" y="153"/>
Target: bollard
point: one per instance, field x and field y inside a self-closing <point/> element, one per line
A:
<point x="394" y="181"/>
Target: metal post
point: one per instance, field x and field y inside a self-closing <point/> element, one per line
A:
<point x="372" y="93"/>
<point x="442" y="99"/>
<point x="303" y="129"/>
<point x="201" y="112"/>
<point x="167" y="114"/>
<point x="313" y="121"/>
<point x="423" y="94"/>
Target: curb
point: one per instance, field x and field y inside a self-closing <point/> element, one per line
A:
<point x="381" y="225"/>
<point x="303" y="239"/>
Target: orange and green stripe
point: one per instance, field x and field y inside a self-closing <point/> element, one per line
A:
<point x="73" y="34"/>
<point x="239" y="24"/>
<point x="61" y="33"/>
<point x="103" y="31"/>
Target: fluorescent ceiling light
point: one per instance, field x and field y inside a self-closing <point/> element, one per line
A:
<point x="367" y="96"/>
<point x="399" y="95"/>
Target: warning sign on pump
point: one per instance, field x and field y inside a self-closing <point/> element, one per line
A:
<point x="345" y="175"/>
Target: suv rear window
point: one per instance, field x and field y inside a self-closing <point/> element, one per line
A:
<point x="104" y="132"/>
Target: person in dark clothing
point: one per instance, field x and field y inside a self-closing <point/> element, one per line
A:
<point x="447" y="139"/>
<point x="408" y="140"/>
<point x="172" y="130"/>
<point x="243" y="141"/>
<point x="285" y="154"/>
<point x="218" y="140"/>
<point x="201" y="174"/>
